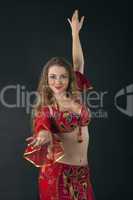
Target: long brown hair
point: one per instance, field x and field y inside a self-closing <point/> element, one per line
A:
<point x="45" y="94"/>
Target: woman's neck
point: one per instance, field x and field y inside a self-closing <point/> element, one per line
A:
<point x="60" y="96"/>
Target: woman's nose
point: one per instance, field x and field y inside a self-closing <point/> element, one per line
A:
<point x="58" y="80"/>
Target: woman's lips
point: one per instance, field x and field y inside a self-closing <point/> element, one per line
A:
<point x="58" y="87"/>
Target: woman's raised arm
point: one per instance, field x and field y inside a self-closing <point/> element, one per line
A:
<point x="77" y="52"/>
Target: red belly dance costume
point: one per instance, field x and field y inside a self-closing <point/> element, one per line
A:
<point x="60" y="181"/>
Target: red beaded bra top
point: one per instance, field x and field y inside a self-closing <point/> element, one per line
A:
<point x="56" y="121"/>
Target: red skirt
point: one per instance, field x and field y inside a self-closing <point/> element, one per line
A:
<point x="61" y="181"/>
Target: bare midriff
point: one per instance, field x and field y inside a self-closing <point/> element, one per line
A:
<point x="75" y="153"/>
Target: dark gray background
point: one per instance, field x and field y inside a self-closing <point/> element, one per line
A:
<point x="31" y="32"/>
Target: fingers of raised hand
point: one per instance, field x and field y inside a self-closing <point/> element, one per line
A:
<point x="75" y="15"/>
<point x="81" y="21"/>
<point x="69" y="21"/>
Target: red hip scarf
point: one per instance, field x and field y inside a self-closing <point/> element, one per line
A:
<point x="61" y="181"/>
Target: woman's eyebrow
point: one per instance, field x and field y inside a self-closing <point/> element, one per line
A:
<point x="60" y="74"/>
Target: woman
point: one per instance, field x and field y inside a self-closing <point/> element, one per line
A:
<point x="60" y="139"/>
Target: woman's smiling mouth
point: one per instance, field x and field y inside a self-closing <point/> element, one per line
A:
<point x="58" y="87"/>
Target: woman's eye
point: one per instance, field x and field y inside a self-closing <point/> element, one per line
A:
<point x="52" y="77"/>
<point x="64" y="76"/>
<point x="61" y="77"/>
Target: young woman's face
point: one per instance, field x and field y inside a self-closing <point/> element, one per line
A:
<point x="58" y="79"/>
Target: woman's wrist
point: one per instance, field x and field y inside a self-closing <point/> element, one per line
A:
<point x="75" y="34"/>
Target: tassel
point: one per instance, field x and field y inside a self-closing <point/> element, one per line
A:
<point x="79" y="136"/>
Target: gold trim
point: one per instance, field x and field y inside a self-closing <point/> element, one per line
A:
<point x="33" y="162"/>
<point x="29" y="153"/>
<point x="59" y="158"/>
<point x="28" y="159"/>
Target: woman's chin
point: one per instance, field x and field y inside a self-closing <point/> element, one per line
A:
<point x="58" y="92"/>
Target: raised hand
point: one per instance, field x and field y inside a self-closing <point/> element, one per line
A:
<point x="75" y="23"/>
